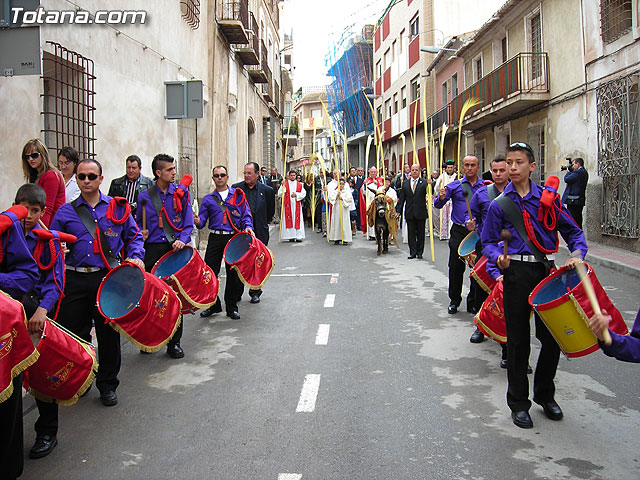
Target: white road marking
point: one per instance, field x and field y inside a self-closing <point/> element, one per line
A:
<point x="329" y="300"/>
<point x="289" y="476"/>
<point x="302" y="275"/>
<point x="334" y="278"/>
<point x="322" y="337"/>
<point x="307" y="402"/>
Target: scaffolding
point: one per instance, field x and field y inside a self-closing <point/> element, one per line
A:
<point x="350" y="62"/>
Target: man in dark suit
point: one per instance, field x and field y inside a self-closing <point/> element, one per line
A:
<point x="358" y="181"/>
<point x="264" y="178"/>
<point x="262" y="202"/>
<point x="131" y="184"/>
<point x="574" y="195"/>
<point x="413" y="197"/>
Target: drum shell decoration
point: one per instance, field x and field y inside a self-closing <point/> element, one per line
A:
<point x="490" y="318"/>
<point x="562" y="303"/>
<point x="65" y="369"/>
<point x="467" y="248"/>
<point x="479" y="273"/>
<point x="17" y="352"/>
<point x="190" y="278"/>
<point x="251" y="259"/>
<point x="140" y="306"/>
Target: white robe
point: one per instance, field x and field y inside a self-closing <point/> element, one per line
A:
<point x="340" y="208"/>
<point x="369" y="193"/>
<point x="445" y="212"/>
<point x="292" y="233"/>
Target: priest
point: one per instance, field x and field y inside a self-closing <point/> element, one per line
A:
<point x="292" y="225"/>
<point x="367" y="193"/>
<point x="341" y="201"/>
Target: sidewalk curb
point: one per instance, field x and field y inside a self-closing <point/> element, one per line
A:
<point x="605" y="262"/>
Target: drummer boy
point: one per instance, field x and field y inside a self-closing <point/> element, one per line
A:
<point x="39" y="303"/>
<point x="522" y="272"/>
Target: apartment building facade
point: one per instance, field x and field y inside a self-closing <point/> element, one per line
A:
<point x="399" y="66"/>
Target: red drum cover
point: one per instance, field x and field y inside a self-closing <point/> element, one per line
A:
<point x="65" y="369"/>
<point x="490" y="318"/>
<point x="16" y="348"/>
<point x="193" y="280"/>
<point x="139" y="306"/>
<point x="479" y="272"/>
<point x="251" y="258"/>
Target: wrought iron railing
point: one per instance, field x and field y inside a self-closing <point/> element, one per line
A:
<point x="254" y="35"/>
<point x="234" y="10"/>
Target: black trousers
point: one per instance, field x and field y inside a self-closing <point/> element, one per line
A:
<point x="576" y="213"/>
<point x="519" y="280"/>
<point x="213" y="257"/>
<point x="11" y="436"/>
<point x="415" y="232"/>
<point x="152" y="253"/>
<point x="78" y="311"/>
<point x="457" y="267"/>
<point x="264" y="239"/>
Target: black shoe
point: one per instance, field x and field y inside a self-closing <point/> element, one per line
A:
<point x="298" y="240"/>
<point x="529" y="369"/>
<point x="419" y="257"/>
<point x="472" y="310"/>
<point x="233" y="315"/>
<point x="452" y="309"/>
<point x="215" y="308"/>
<point x="109" y="398"/>
<point x="477" y="337"/>
<point x="551" y="409"/>
<point x="503" y="363"/>
<point x="44" y="446"/>
<point x="175" y="351"/>
<point x="522" y="419"/>
<point x="291" y="240"/>
<point x="255" y="299"/>
<point x="411" y="257"/>
<point x="145" y="353"/>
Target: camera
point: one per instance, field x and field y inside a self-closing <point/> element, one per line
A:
<point x="568" y="167"/>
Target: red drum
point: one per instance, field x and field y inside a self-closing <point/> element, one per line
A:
<point x="16" y="348"/>
<point x="65" y="369"/>
<point x="251" y="259"/>
<point x="490" y="318"/>
<point x="563" y="305"/>
<point x="193" y="280"/>
<point x="139" y="306"/>
<point x="467" y="248"/>
<point x="481" y="276"/>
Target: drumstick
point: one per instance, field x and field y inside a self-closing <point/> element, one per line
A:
<point x="505" y="236"/>
<point x="591" y="294"/>
<point x="143" y="204"/>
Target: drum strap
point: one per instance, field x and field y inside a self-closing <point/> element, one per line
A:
<point x="466" y="187"/>
<point x="169" y="232"/>
<point x="514" y="215"/>
<point x="110" y="259"/>
<point x="225" y="212"/>
<point x="493" y="192"/>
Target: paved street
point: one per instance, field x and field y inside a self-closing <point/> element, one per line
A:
<point x="401" y="393"/>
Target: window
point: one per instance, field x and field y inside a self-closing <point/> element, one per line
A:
<point x="387" y="59"/>
<point x="378" y="70"/>
<point x="477" y="68"/>
<point x="395" y="103"/>
<point x="504" y="49"/>
<point x="415" y="89"/>
<point x="444" y="94"/>
<point x="403" y="95"/>
<point x="379" y="114"/>
<point x="68" y="101"/>
<point x="403" y="33"/>
<point x="535" y="40"/>
<point x="414" y="28"/>
<point x="454" y="85"/>
<point x="387" y="108"/>
<point x="615" y="19"/>
<point x="393" y="51"/>
<point x="316" y="112"/>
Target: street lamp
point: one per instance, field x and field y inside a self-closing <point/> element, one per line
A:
<point x="432" y="49"/>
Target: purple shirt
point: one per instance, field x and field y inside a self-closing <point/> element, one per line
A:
<point x="210" y="212"/>
<point x="126" y="235"/>
<point x="18" y="270"/>
<point x="51" y="282"/>
<point x="495" y="221"/>
<point x="459" y="212"/>
<point x="183" y="219"/>
<point x="625" y="347"/>
<point x="479" y="205"/>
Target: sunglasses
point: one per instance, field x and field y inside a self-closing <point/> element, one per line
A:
<point x="33" y="155"/>
<point x="219" y="175"/>
<point x="91" y="176"/>
<point x="521" y="145"/>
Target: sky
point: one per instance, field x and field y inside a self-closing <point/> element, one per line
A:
<point x="318" y="26"/>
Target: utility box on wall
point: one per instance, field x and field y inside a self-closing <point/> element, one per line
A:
<point x="184" y="99"/>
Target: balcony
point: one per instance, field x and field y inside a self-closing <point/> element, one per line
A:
<point x="249" y="53"/>
<point x="517" y="85"/>
<point x="267" y="87"/>
<point x="233" y="20"/>
<point x="258" y="73"/>
<point x="290" y="131"/>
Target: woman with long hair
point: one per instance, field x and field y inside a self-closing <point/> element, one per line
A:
<point x="38" y="169"/>
<point x="68" y="160"/>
